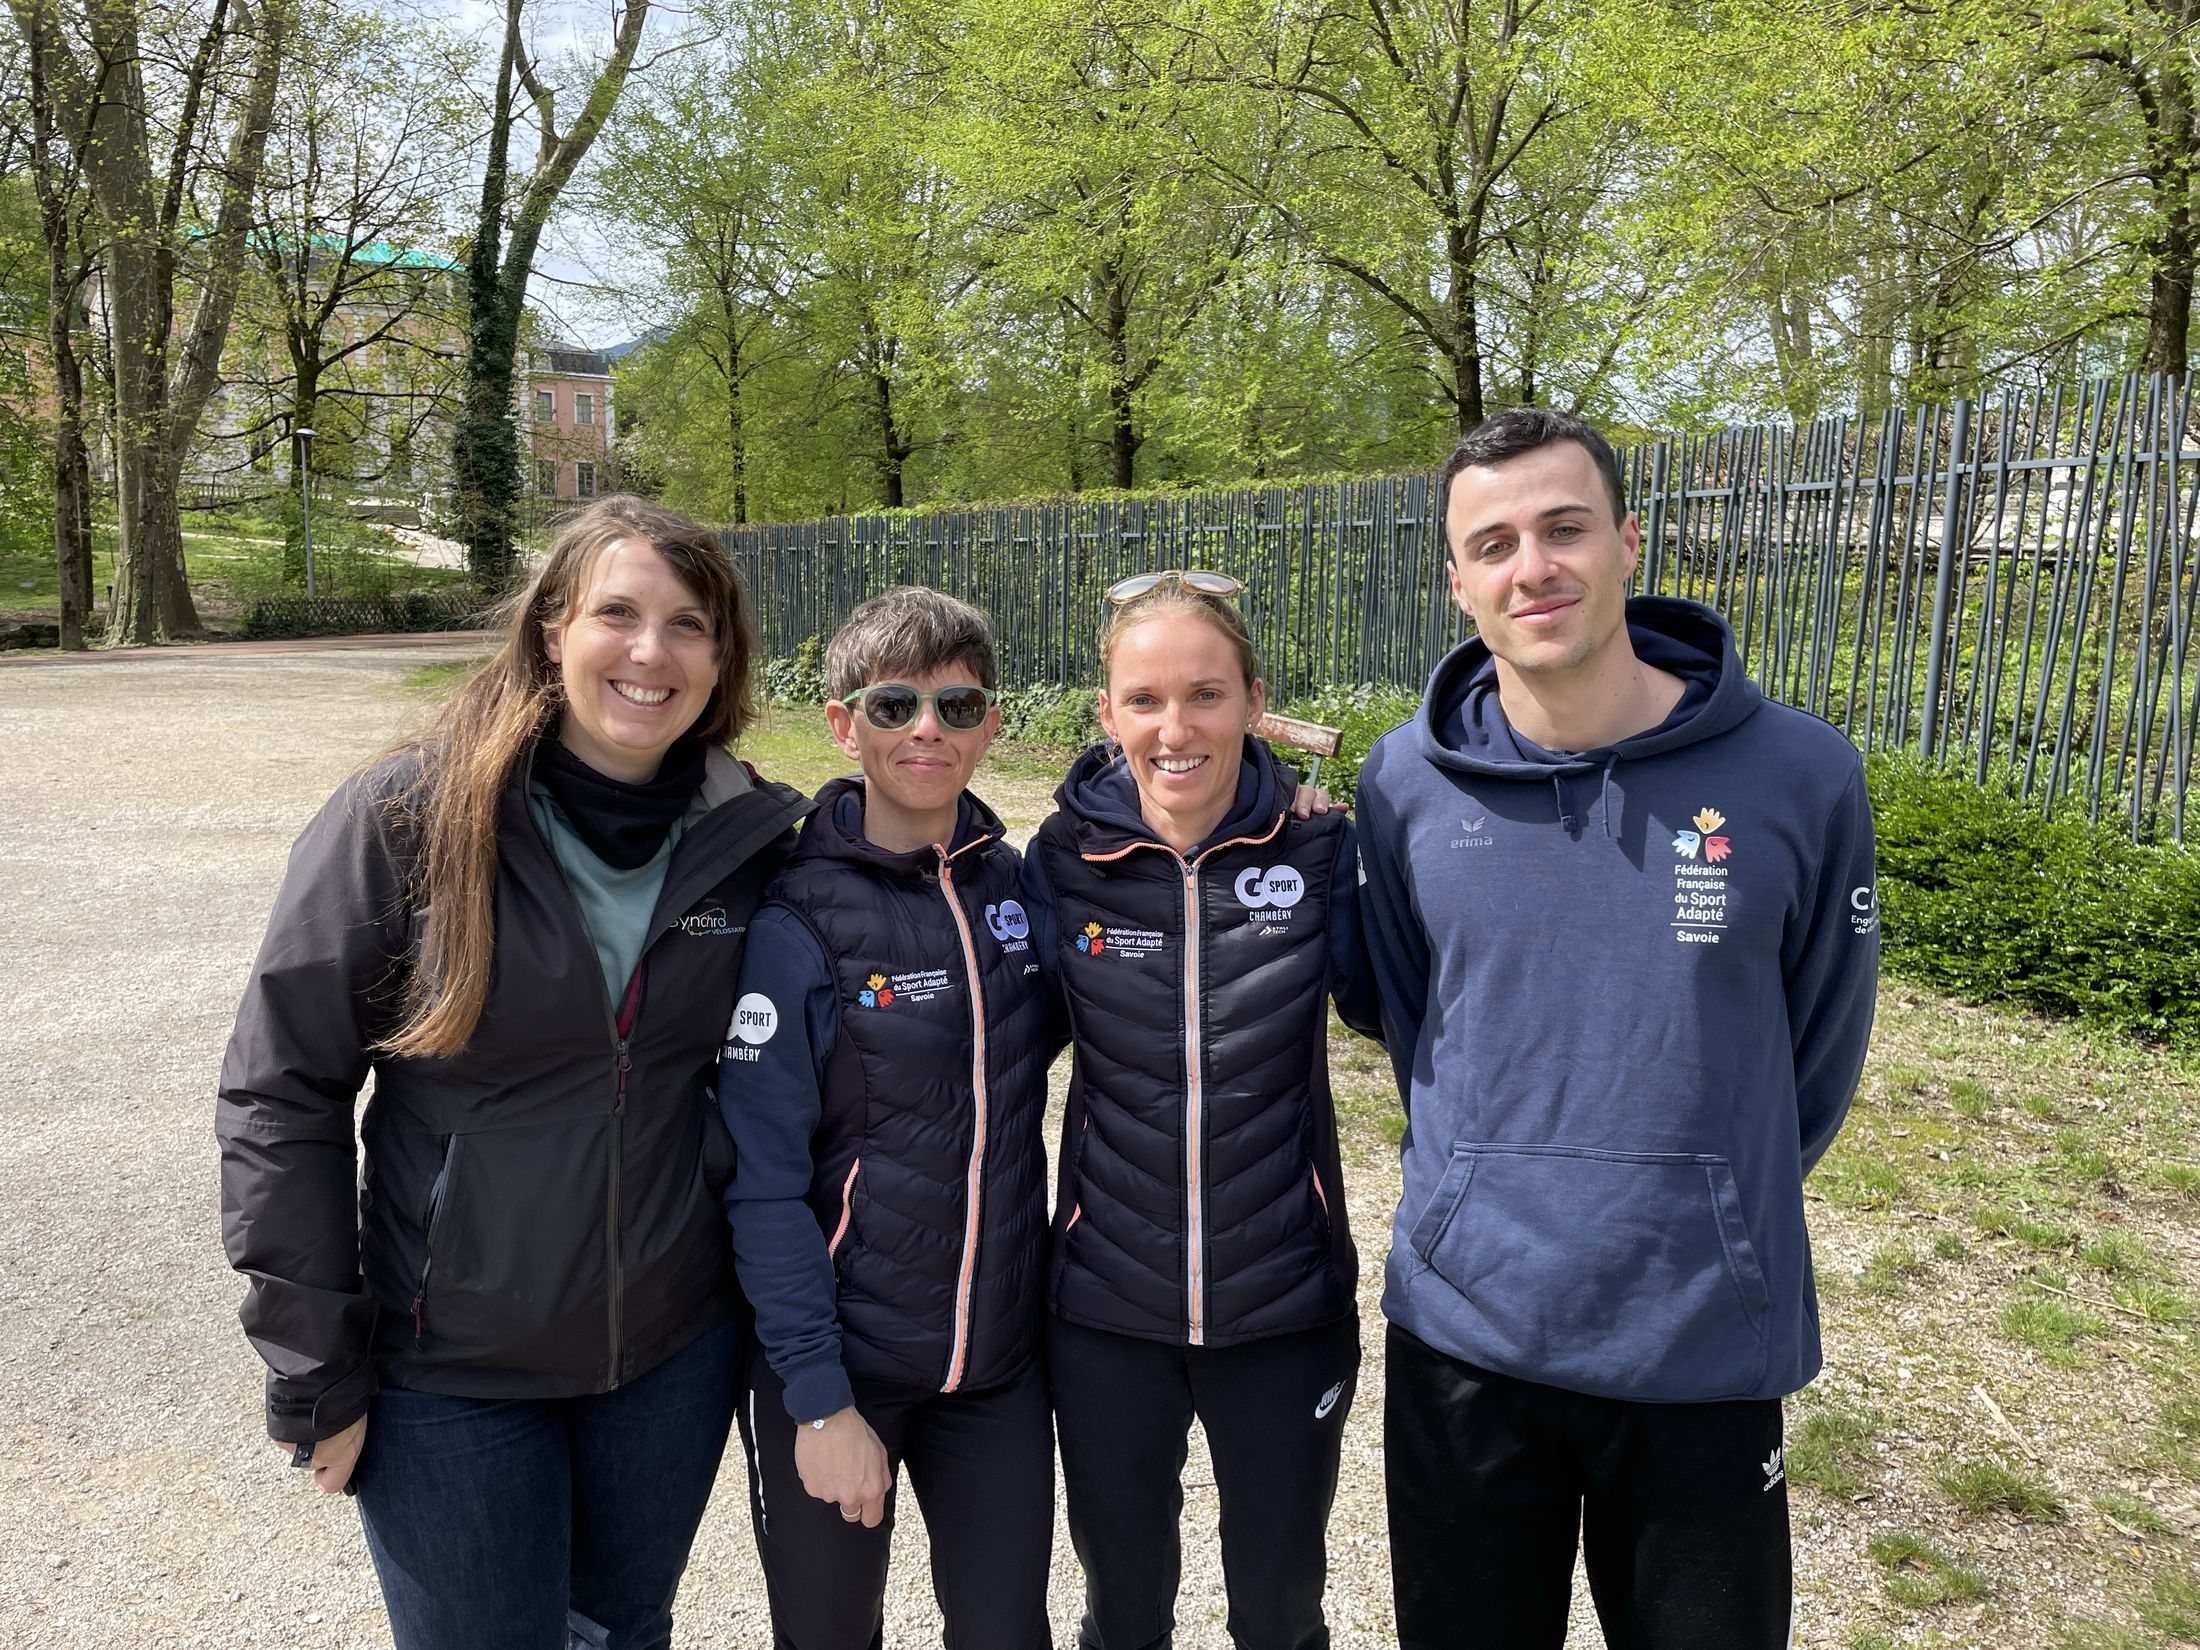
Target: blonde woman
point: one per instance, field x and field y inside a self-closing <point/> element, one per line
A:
<point x="516" y="1337"/>
<point x="1197" y="924"/>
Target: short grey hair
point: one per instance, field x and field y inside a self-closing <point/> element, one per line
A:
<point x="909" y="631"/>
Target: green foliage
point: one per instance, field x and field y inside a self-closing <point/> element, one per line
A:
<point x="797" y="678"/>
<point x="1060" y="720"/>
<point x="1364" y="714"/>
<point x="26" y="495"/>
<point x="1983" y="897"/>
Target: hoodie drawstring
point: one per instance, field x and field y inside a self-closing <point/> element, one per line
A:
<point x="1566" y="820"/>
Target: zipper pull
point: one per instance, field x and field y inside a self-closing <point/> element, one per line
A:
<point x="626" y="1064"/>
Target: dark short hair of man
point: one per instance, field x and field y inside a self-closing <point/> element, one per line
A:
<point x="912" y="631"/>
<point x="1519" y="430"/>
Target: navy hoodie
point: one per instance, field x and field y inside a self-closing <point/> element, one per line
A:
<point x="1627" y="993"/>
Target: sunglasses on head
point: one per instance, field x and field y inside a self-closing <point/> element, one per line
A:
<point x="1191" y="578"/>
<point x="891" y="705"/>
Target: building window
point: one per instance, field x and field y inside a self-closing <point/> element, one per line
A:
<point x="584" y="481"/>
<point x="584" y="408"/>
<point x="546" y="478"/>
<point x="546" y="406"/>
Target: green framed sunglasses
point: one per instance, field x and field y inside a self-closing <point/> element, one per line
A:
<point x="888" y="706"/>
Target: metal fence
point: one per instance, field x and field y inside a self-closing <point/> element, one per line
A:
<point x="2009" y="582"/>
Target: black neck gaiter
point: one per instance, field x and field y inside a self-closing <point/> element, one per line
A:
<point x="624" y="825"/>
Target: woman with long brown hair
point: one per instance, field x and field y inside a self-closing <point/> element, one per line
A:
<point x="514" y="1337"/>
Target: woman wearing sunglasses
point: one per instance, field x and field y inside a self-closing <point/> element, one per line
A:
<point x="1196" y="928"/>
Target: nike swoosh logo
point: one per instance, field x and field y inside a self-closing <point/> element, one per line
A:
<point x="1329" y="1401"/>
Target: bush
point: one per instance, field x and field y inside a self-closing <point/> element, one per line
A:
<point x="798" y="679"/>
<point x="1364" y="714"/>
<point x="1984" y="897"/>
<point x="1061" y="720"/>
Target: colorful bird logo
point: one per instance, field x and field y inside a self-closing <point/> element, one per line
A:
<point x="875" y="993"/>
<point x="1715" y="849"/>
<point x="1092" y="941"/>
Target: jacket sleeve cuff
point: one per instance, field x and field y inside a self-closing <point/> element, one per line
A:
<point x="818" y="1391"/>
<point x="294" y="1418"/>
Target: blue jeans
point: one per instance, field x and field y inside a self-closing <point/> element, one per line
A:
<point x="535" y="1524"/>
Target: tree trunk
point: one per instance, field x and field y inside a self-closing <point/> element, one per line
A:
<point x="485" y="449"/>
<point x="151" y="600"/>
<point x="1123" y="437"/>
<point x="60" y="216"/>
<point x="72" y="504"/>
<point x="1466" y="333"/>
<point x="736" y="440"/>
<point x="2171" y="156"/>
<point x="485" y="446"/>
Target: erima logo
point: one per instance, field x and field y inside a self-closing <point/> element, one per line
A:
<point x="1775" y="1473"/>
<point x="1281" y="887"/>
<point x="1329" y="1401"/>
<point x="1473" y="837"/>
<point x="1007" y="920"/>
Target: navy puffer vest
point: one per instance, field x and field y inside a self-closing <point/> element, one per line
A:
<point x="930" y="1179"/>
<point x="1200" y="1199"/>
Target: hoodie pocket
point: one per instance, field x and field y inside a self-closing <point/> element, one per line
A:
<point x="1627" y="1274"/>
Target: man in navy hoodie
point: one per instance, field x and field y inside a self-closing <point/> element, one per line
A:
<point x="1623" y="920"/>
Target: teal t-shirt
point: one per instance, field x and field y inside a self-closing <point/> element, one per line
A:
<point x="616" y="905"/>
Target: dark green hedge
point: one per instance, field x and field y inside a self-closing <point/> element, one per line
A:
<point x="1983" y="897"/>
<point x="287" y="616"/>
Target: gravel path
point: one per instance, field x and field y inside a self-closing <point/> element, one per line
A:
<point x="146" y="806"/>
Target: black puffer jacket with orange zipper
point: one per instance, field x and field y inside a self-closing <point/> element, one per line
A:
<point x="1201" y="1199"/>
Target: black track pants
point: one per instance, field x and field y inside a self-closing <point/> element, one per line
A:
<point x="1680" y="1509"/>
<point x="982" y="1464"/>
<point x="1273" y="1412"/>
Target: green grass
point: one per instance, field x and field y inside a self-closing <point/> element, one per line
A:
<point x="2049" y="1328"/>
<point x="2135" y="1515"/>
<point x="1920" y="1574"/>
<point x="2114" y="1253"/>
<point x="1971" y="1098"/>
<point x="1830" y="1450"/>
<point x="233" y="558"/>
<point x="1906" y="1079"/>
<point x="2003" y="1221"/>
<point x="2172" y="1603"/>
<point x="1891" y="1269"/>
<point x="2101" y="1635"/>
<point x="1982" y="1486"/>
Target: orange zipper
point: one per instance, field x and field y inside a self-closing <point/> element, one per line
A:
<point x="974" y="1182"/>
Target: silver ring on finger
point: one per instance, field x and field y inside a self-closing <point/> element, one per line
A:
<point x="849" y="1515"/>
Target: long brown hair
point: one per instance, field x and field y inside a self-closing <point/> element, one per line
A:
<point x="475" y="745"/>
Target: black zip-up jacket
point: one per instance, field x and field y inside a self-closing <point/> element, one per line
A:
<point x="903" y="1092"/>
<point x="1201" y="1200"/>
<point x="539" y="1215"/>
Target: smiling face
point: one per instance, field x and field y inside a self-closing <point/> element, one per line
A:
<point x="1537" y="560"/>
<point x="913" y="776"/>
<point x="1178" y="703"/>
<point x="638" y="661"/>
